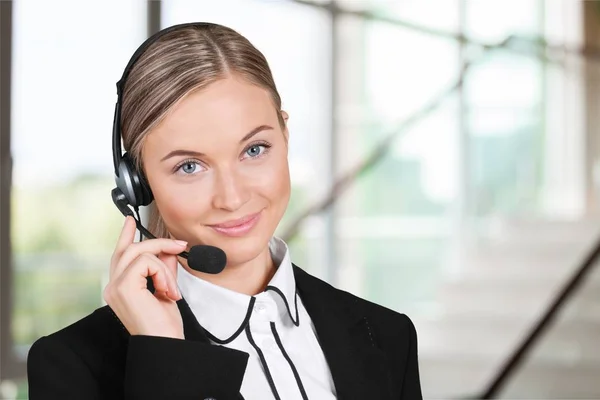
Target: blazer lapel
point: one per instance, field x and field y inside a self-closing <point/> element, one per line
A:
<point x="357" y="365"/>
<point x="191" y="327"/>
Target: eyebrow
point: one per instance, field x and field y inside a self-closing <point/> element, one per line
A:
<point x="192" y="153"/>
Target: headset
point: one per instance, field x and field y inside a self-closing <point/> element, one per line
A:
<point x="132" y="187"/>
<point x="131" y="183"/>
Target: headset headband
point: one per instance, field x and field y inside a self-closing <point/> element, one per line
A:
<point x="116" y="145"/>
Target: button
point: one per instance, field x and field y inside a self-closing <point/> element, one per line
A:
<point x="260" y="308"/>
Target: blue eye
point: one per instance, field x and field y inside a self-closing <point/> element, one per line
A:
<point x="188" y="167"/>
<point x="255" y="150"/>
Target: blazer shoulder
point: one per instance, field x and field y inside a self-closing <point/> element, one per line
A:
<point x="393" y="321"/>
<point x="100" y="327"/>
<point x="92" y="337"/>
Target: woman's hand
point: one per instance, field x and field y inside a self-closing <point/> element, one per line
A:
<point x="140" y="311"/>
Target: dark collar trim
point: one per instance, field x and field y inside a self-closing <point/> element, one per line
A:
<point x="263" y="362"/>
<point x="290" y="362"/>
<point x="287" y="306"/>
<point x="240" y="329"/>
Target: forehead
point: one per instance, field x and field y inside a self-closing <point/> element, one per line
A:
<point x="229" y="106"/>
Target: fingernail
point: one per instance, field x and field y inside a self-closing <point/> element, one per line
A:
<point x="181" y="242"/>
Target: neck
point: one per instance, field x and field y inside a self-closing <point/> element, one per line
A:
<point x="250" y="278"/>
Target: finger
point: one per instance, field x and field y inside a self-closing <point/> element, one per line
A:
<point x="152" y="246"/>
<point x="164" y="281"/>
<point x="125" y="239"/>
<point x="170" y="262"/>
<point x="166" y="285"/>
<point x="147" y="265"/>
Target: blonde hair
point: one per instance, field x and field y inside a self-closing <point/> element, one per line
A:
<point x="177" y="63"/>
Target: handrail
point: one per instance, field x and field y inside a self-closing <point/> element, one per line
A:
<point x="565" y="294"/>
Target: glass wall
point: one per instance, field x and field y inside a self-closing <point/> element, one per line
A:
<point x="505" y="122"/>
<point x="395" y="222"/>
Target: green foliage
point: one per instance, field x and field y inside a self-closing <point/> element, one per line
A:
<point x="53" y="290"/>
<point x="75" y="217"/>
<point x="62" y="238"/>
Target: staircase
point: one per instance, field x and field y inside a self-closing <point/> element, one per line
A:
<point x="483" y="312"/>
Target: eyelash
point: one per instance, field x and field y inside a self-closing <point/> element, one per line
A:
<point x="266" y="145"/>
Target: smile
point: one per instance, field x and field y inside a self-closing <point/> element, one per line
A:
<point x="238" y="227"/>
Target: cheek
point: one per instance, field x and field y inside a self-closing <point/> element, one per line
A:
<point x="275" y="184"/>
<point x="178" y="203"/>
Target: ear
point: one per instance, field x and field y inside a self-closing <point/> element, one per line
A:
<point x="286" y="133"/>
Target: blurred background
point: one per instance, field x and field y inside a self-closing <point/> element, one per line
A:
<point x="445" y="159"/>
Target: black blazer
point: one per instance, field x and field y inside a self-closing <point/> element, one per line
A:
<point x="371" y="352"/>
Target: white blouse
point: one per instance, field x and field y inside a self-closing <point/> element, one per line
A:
<point x="273" y="327"/>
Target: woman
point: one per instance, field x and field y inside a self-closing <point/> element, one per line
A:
<point x="202" y="122"/>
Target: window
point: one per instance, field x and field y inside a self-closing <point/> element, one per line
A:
<point x="67" y="58"/>
<point x="395" y="223"/>
<point x="505" y="123"/>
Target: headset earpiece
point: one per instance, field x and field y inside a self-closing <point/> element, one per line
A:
<point x="132" y="183"/>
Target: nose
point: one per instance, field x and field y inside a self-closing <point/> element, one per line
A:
<point x="230" y="190"/>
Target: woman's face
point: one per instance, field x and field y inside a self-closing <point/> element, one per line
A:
<point x="218" y="169"/>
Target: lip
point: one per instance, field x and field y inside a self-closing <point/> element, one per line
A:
<point x="238" y="227"/>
